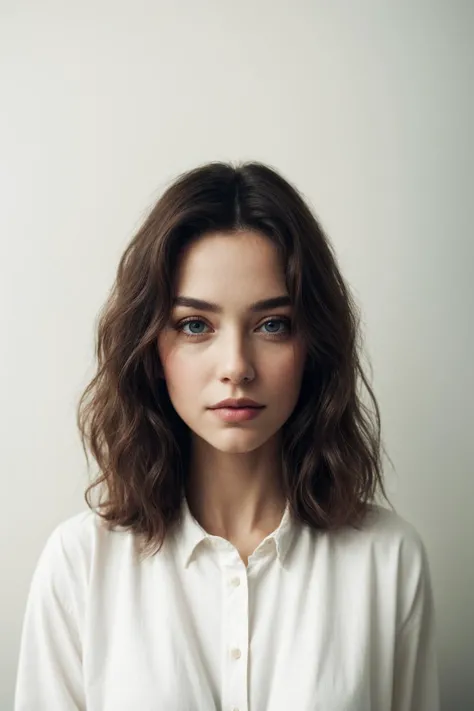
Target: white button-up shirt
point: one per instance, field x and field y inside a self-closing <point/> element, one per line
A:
<point x="318" y="621"/>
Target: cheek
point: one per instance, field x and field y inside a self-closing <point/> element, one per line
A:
<point x="181" y="373"/>
<point x="288" y="368"/>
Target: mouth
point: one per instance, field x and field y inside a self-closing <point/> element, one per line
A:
<point x="237" y="414"/>
<point x="241" y="407"/>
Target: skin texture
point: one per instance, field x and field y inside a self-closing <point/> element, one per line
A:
<point x="234" y="487"/>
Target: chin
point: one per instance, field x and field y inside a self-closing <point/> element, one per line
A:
<point x="237" y="443"/>
<point x="236" y="449"/>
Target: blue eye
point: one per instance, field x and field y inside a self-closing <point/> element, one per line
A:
<point x="276" y="321"/>
<point x="193" y="321"/>
<point x="275" y="334"/>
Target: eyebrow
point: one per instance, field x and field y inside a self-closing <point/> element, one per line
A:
<point x="262" y="305"/>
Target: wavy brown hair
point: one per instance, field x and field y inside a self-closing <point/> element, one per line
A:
<point x="331" y="443"/>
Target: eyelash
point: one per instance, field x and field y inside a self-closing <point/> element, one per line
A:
<point x="274" y="336"/>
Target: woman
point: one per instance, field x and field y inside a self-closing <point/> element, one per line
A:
<point x="238" y="560"/>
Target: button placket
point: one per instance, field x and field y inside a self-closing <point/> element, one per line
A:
<point x="235" y="636"/>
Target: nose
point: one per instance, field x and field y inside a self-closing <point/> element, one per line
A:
<point x="235" y="360"/>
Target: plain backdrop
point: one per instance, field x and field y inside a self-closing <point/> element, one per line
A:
<point x="366" y="106"/>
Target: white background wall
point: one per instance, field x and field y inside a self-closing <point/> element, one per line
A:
<point x="366" y="106"/>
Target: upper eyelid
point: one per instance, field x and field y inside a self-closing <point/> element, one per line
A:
<point x="288" y="313"/>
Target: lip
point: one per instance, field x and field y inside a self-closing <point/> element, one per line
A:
<point x="237" y="414"/>
<point x="236" y="403"/>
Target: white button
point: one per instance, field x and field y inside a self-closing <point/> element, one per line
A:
<point x="236" y="653"/>
<point x="235" y="709"/>
<point x="235" y="582"/>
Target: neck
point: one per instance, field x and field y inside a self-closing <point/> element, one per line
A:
<point x="236" y="495"/>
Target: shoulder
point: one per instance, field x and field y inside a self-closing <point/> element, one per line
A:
<point x="63" y="568"/>
<point x="390" y="527"/>
<point x="73" y="538"/>
<point x="392" y="533"/>
<point x="387" y="542"/>
<point x="76" y="542"/>
<point x="383" y="529"/>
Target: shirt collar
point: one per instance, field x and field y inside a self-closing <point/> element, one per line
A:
<point x="189" y="535"/>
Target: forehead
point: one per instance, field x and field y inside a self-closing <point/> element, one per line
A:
<point x="219" y="262"/>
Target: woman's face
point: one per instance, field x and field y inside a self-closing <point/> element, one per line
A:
<point x="207" y="358"/>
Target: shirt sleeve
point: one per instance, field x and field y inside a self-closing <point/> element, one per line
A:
<point x="49" y="674"/>
<point x="416" y="678"/>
